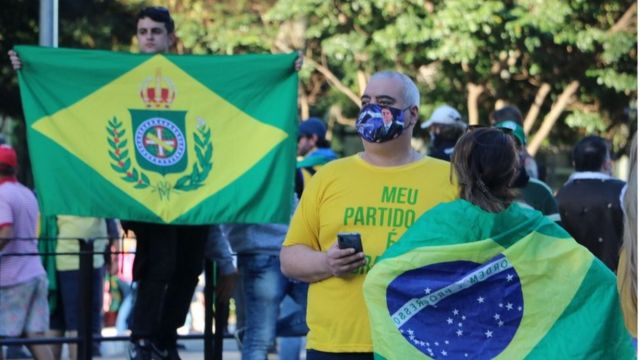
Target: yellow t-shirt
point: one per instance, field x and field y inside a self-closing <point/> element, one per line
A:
<point x="79" y="227"/>
<point x="351" y="195"/>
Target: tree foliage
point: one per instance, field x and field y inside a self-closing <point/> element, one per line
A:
<point x="569" y="65"/>
<point x="504" y="51"/>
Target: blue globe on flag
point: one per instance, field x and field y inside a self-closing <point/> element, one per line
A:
<point x="459" y="309"/>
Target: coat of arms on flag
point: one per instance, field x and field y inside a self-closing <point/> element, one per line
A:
<point x="161" y="138"/>
<point x="160" y="142"/>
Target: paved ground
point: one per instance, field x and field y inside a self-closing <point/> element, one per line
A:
<point x="194" y="351"/>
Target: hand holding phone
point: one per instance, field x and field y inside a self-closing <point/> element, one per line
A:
<point x="344" y="263"/>
<point x="350" y="240"/>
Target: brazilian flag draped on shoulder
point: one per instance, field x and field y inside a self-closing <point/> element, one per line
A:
<point x="463" y="283"/>
<point x="161" y="138"/>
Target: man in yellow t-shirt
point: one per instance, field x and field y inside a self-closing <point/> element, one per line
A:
<point x="64" y="319"/>
<point x="378" y="193"/>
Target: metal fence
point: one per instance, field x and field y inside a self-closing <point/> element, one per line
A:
<point x="84" y="340"/>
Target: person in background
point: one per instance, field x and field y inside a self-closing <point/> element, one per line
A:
<point x="24" y="310"/>
<point x="589" y="202"/>
<point x="512" y="113"/>
<point x="64" y="318"/>
<point x="14" y="351"/>
<point x="445" y="126"/>
<point x="628" y="265"/>
<point x="261" y="283"/>
<point x="314" y="150"/>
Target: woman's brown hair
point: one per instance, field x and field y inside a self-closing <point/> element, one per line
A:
<point x="486" y="161"/>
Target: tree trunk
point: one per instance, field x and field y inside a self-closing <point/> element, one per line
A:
<point x="303" y="103"/>
<point x="556" y="110"/>
<point x="626" y="21"/>
<point x="334" y="81"/>
<point x="473" y="93"/>
<point x="534" y="110"/>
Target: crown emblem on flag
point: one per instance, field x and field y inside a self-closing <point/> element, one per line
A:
<point x="157" y="91"/>
<point x="160" y="142"/>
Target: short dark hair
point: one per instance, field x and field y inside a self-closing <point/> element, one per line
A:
<point x="486" y="162"/>
<point x="159" y="14"/>
<point x="505" y="114"/>
<point x="590" y="153"/>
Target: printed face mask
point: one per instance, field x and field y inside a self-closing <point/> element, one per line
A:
<point x="378" y="124"/>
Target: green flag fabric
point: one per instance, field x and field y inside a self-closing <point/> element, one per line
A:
<point x="47" y="243"/>
<point x="463" y="283"/>
<point x="161" y="138"/>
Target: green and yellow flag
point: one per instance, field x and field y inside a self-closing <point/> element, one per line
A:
<point x="510" y="285"/>
<point x="161" y="138"/>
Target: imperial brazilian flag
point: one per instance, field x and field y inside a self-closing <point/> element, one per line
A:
<point x="161" y="138"/>
<point x="509" y="285"/>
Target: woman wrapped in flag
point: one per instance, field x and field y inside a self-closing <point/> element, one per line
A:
<point x="482" y="277"/>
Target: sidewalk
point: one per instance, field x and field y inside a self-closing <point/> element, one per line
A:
<point x="194" y="350"/>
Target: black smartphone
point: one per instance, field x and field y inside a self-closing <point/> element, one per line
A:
<point x="350" y="240"/>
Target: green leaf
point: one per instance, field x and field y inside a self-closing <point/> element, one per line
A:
<point x="126" y="165"/>
<point x="117" y="169"/>
<point x="199" y="155"/>
<point x="113" y="156"/>
<point x="145" y="178"/>
<point x="199" y="142"/>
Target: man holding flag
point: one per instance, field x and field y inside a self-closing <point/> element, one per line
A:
<point x="170" y="229"/>
<point x="483" y="277"/>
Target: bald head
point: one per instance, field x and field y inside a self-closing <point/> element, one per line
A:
<point x="409" y="91"/>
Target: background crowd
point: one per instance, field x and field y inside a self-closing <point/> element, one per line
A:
<point x="592" y="206"/>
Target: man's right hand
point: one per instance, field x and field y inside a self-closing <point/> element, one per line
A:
<point x="343" y="262"/>
<point x="16" y="63"/>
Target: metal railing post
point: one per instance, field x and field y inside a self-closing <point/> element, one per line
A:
<point x="85" y="331"/>
<point x="208" y="310"/>
<point x="219" y="316"/>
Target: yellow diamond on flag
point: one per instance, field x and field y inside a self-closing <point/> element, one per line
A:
<point x="158" y="87"/>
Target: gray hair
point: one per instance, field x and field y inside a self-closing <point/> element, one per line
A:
<point x="410" y="92"/>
